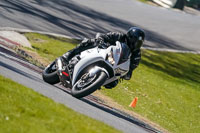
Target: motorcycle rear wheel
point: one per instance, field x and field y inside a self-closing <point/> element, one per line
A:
<point x="50" y="75"/>
<point x="91" y="86"/>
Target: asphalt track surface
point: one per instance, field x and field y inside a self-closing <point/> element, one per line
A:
<point x="27" y="74"/>
<point x="83" y="18"/>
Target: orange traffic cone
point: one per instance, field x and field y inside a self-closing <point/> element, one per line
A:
<point x="134" y="102"/>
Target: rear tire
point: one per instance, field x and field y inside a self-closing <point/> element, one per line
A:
<point x="50" y="75"/>
<point x="98" y="82"/>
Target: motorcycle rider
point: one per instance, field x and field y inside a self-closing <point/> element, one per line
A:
<point x="133" y="38"/>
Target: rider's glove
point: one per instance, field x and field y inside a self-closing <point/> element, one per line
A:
<point x="102" y="44"/>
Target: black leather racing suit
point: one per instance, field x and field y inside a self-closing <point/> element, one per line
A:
<point x="104" y="41"/>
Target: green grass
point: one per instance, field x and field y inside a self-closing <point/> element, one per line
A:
<point x="167" y="86"/>
<point x="50" y="47"/>
<point x="144" y="1"/>
<point x="168" y="89"/>
<point x="23" y="110"/>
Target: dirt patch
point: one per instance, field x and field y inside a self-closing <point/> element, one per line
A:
<point x="32" y="57"/>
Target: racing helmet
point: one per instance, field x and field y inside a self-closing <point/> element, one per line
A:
<point x="135" y="38"/>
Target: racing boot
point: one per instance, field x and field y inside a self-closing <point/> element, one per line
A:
<point x="111" y="85"/>
<point x="67" y="56"/>
<point x="128" y="75"/>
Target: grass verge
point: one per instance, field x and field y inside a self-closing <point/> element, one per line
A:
<point x="168" y="89"/>
<point x="167" y="85"/>
<point x="144" y="1"/>
<point x="50" y="47"/>
<point x="23" y="110"/>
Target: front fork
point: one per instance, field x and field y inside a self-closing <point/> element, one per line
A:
<point x="61" y="64"/>
<point x="63" y="73"/>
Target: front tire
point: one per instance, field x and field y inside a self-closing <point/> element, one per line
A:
<point x="98" y="81"/>
<point x="50" y="75"/>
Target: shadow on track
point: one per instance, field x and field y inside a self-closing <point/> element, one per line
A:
<point x="70" y="18"/>
<point x="19" y="71"/>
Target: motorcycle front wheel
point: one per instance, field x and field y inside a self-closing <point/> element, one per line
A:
<point x="87" y="85"/>
<point x="50" y="75"/>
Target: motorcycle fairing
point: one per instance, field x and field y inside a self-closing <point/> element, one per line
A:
<point x="90" y="57"/>
<point x="83" y="63"/>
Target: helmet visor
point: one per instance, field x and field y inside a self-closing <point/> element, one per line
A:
<point x="132" y="41"/>
<point x="135" y="44"/>
<point x="138" y="44"/>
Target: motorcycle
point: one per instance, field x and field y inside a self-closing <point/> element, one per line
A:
<point x="89" y="70"/>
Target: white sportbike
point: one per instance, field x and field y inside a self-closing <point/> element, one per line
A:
<point x="89" y="70"/>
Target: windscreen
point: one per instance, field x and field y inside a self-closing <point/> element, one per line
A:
<point x="124" y="56"/>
